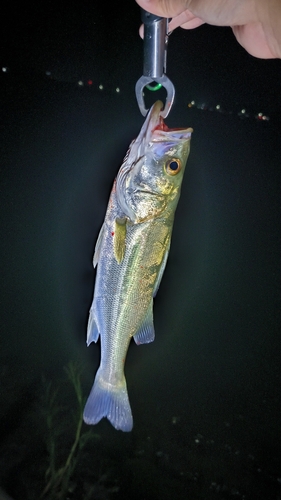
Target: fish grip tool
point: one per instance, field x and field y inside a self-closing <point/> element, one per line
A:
<point x="155" y="43"/>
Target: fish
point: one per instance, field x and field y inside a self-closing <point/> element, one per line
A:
<point x="131" y="254"/>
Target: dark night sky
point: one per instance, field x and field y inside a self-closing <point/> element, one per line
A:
<point x="215" y="363"/>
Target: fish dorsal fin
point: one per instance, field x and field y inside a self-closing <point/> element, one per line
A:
<point x="119" y="242"/>
<point x="146" y="333"/>
<point x="98" y="246"/>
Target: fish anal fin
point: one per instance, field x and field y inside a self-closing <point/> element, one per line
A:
<point x="119" y="242"/>
<point x="161" y="271"/>
<point x="92" y="329"/>
<point x="146" y="333"/>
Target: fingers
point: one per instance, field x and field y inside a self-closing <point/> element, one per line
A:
<point x="253" y="39"/>
<point x="164" y="8"/>
<point x="185" y="20"/>
<point x="260" y="38"/>
<point x="215" y="12"/>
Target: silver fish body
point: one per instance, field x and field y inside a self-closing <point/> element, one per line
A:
<point x="131" y="253"/>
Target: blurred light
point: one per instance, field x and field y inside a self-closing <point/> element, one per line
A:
<point x="117" y="89"/>
<point x="48" y="73"/>
<point x="242" y="114"/>
<point x="101" y="87"/>
<point x="262" y="117"/>
<point x="80" y="83"/>
<point x="5" y="69"/>
<point x="90" y="82"/>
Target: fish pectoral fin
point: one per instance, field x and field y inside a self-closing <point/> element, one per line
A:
<point x="98" y="246"/>
<point x="92" y="329"/>
<point x="119" y="242"/>
<point x="146" y="333"/>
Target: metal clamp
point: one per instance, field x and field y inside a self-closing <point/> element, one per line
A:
<point x="155" y="58"/>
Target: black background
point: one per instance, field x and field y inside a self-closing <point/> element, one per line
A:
<point x="206" y="394"/>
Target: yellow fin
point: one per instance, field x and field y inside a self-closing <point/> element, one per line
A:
<point x="119" y="243"/>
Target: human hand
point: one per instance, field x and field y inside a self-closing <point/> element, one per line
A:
<point x="256" y="24"/>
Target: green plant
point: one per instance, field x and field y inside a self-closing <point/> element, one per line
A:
<point x="60" y="471"/>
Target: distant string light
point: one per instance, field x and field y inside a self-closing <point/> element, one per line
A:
<point x="242" y="113"/>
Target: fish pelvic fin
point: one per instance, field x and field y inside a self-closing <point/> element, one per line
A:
<point x="112" y="402"/>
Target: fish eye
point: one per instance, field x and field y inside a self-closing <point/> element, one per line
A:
<point x="173" y="166"/>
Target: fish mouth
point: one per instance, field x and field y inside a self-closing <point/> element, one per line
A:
<point x="156" y="129"/>
<point x="154" y="119"/>
<point x="153" y="130"/>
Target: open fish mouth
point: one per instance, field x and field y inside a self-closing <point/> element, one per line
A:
<point x="155" y="120"/>
<point x="154" y="130"/>
<point x="158" y="131"/>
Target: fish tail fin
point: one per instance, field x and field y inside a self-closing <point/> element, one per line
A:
<point x="112" y="402"/>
